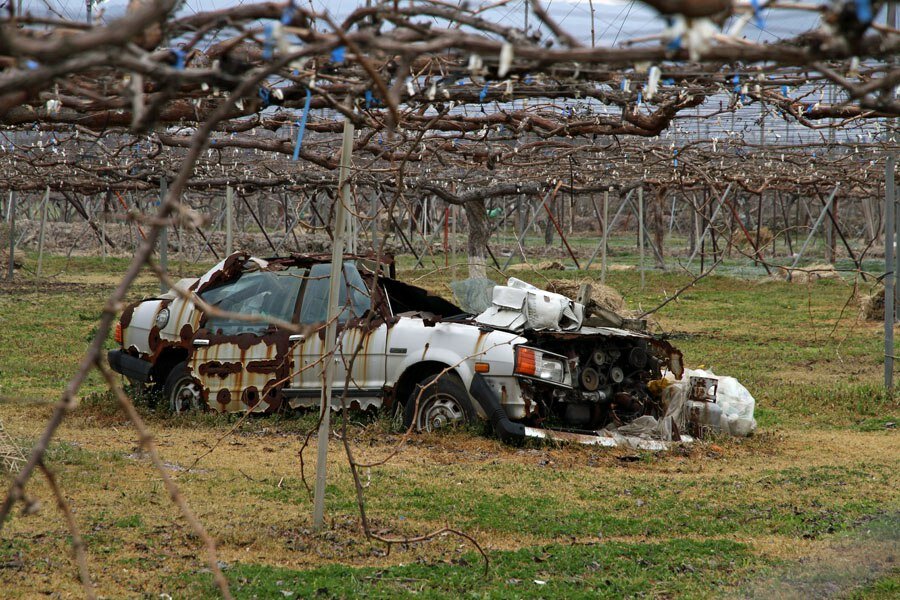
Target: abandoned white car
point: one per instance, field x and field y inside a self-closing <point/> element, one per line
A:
<point x="532" y="362"/>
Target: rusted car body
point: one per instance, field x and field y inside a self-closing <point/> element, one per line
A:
<point x="398" y="346"/>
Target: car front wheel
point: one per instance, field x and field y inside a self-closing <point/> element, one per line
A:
<point x="182" y="392"/>
<point x="443" y="403"/>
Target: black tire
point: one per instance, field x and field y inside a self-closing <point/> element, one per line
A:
<point x="444" y="403"/>
<point x="181" y="392"/>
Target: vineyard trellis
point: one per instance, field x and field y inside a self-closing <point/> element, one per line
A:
<point x="455" y="113"/>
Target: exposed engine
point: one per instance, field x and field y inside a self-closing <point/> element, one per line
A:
<point x="610" y="377"/>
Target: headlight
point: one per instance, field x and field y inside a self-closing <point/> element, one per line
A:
<point x="538" y="364"/>
<point x="162" y="318"/>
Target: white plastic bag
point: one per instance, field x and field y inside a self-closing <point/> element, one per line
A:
<point x="734" y="400"/>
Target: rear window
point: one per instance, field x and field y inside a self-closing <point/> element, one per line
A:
<point x="315" y="296"/>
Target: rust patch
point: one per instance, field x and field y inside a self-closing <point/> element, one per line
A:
<point x="264" y="366"/>
<point x="223" y="398"/>
<point x="250" y="397"/>
<point x="219" y="369"/>
<point x="154" y="338"/>
<point x="127" y="314"/>
<point x="187" y="332"/>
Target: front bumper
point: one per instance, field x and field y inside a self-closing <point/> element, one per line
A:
<point x="129" y="366"/>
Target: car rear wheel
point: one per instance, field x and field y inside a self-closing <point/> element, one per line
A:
<point x="443" y="404"/>
<point x="182" y="392"/>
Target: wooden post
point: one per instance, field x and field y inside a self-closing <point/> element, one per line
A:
<point x="641" y="231"/>
<point x="229" y="220"/>
<point x="605" y="236"/>
<point x="889" y="208"/>
<point x="11" y="215"/>
<point x="40" y="264"/>
<point x="163" y="237"/>
<point x="337" y="262"/>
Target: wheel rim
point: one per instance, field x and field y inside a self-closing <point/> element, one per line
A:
<point x="441" y="412"/>
<point x="186" y="396"/>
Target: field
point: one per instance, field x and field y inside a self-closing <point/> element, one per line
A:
<point x="808" y="507"/>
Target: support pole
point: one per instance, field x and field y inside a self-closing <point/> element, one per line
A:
<point x="815" y="228"/>
<point x="605" y="237"/>
<point x="46" y="201"/>
<point x="11" y="215"/>
<point x="889" y="202"/>
<point x="610" y="227"/>
<point x="708" y="227"/>
<point x="229" y="220"/>
<point x="337" y="262"/>
<point x="641" y="231"/>
<point x="163" y="237"/>
<point x="558" y="228"/>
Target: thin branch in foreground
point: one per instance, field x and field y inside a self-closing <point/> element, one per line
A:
<point x="145" y="439"/>
<point x="78" y="545"/>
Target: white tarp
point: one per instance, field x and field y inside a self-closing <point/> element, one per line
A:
<point x="519" y="306"/>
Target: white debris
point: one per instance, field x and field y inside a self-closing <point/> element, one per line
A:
<point x="519" y="306"/>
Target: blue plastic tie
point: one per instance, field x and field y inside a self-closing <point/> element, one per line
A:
<point x="483" y="94"/>
<point x="757" y="14"/>
<point x="640" y="99"/>
<point x="784" y="91"/>
<point x="669" y="81"/>
<point x="32" y="64"/>
<point x="302" y="125"/>
<point x="370" y="100"/>
<point x="264" y="95"/>
<point x="179" y="58"/>
<point x="675" y="44"/>
<point x="864" y="11"/>
<point x="623" y="84"/>
<point x="269" y="43"/>
<point x="287" y="14"/>
<point x="337" y="55"/>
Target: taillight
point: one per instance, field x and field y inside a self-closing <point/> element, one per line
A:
<point x="118" y="334"/>
<point x="525" y="361"/>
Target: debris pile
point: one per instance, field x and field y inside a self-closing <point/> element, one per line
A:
<point x="809" y="274"/>
<point x="544" y="265"/>
<point x="602" y="295"/>
<point x="871" y="306"/>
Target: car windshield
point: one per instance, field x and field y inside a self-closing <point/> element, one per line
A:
<point x="266" y="294"/>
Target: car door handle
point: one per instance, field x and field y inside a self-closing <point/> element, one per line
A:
<point x="201" y="342"/>
<point x="297" y="337"/>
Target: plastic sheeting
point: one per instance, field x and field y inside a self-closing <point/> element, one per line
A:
<point x="732" y="412"/>
<point x="473" y="295"/>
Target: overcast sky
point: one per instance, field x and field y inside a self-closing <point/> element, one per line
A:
<point x="615" y="20"/>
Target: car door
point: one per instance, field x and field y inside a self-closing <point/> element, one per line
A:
<point x="365" y="379"/>
<point x="242" y="364"/>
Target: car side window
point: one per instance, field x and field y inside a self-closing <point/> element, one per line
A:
<point x="315" y="296"/>
<point x="258" y="293"/>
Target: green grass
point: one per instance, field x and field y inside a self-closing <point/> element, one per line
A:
<point x="610" y="570"/>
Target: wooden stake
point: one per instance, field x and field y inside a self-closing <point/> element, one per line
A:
<point x="337" y="262"/>
<point x="40" y="264"/>
<point x="12" y="234"/>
